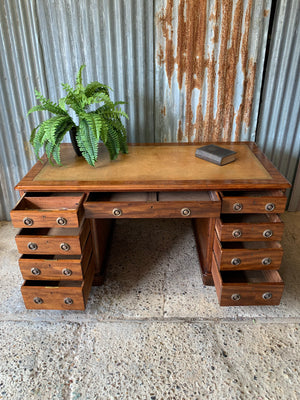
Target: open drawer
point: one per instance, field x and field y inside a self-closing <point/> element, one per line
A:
<point x="245" y="255"/>
<point x="272" y="201"/>
<point x="152" y="205"/>
<point x="246" y="288"/>
<point x="249" y="227"/>
<point x="56" y="267"/>
<point x="67" y="241"/>
<point x="58" y="295"/>
<point x="39" y="210"/>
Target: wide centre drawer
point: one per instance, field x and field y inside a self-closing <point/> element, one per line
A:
<point x="58" y="295"/>
<point x="246" y="288"/>
<point x="245" y="255"/>
<point x="272" y="201"/>
<point x="69" y="241"/>
<point x="152" y="205"/>
<point x="39" y="210"/>
<point x="250" y="227"/>
<point x="56" y="267"/>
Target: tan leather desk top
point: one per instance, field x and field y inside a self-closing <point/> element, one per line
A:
<point x="155" y="167"/>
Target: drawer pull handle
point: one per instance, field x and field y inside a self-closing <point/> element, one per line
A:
<point x="67" y="272"/>
<point x="266" y="261"/>
<point x="236" y="261"/>
<point x="28" y="221"/>
<point x="38" y="300"/>
<point x="68" y="301"/>
<point x="237" y="233"/>
<point x="270" y="207"/>
<point x="32" y="246"/>
<point x="65" y="246"/>
<point x="117" y="212"/>
<point x="35" y="271"/>
<point x="61" y="221"/>
<point x="236" y="297"/>
<point x="237" y="207"/>
<point x="267" y="296"/>
<point x="267" y="233"/>
<point x="185" y="212"/>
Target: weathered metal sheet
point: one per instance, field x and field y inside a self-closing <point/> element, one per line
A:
<point x="209" y="63"/>
<point x="278" y="131"/>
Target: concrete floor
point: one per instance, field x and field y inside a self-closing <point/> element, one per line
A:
<point x="152" y="331"/>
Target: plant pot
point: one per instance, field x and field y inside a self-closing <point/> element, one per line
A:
<point x="74" y="142"/>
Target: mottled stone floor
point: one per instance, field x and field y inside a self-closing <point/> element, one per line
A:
<point x="152" y="331"/>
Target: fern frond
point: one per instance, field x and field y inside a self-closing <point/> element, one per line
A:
<point x="114" y="114"/>
<point x="96" y="87"/>
<point x="79" y="77"/>
<point x="87" y="141"/>
<point x="48" y="105"/>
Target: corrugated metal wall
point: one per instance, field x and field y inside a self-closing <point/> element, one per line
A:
<point x="278" y="132"/>
<point x="209" y="62"/>
<point x="188" y="69"/>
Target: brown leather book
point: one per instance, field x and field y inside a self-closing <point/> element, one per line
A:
<point x="216" y="154"/>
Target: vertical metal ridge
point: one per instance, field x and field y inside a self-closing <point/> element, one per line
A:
<point x="278" y="132"/>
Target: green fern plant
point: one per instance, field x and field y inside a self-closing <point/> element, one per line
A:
<point x="103" y="124"/>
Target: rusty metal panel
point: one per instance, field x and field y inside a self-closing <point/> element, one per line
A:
<point x="278" y="132"/>
<point x="209" y="64"/>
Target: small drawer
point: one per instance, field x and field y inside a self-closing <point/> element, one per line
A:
<point x="253" y="202"/>
<point x="152" y="205"/>
<point x="67" y="241"/>
<point x="58" y="295"/>
<point x="247" y="288"/>
<point x="38" y="210"/>
<point x="247" y="255"/>
<point x="56" y="267"/>
<point x="249" y="227"/>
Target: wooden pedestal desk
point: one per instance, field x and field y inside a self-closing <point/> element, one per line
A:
<point x="65" y="215"/>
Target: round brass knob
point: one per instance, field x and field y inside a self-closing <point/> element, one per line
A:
<point x="237" y="207"/>
<point x="267" y="296"/>
<point x="38" y="300"/>
<point x="35" y="271"/>
<point x="267" y="233"/>
<point x="32" y="246"/>
<point x="237" y="233"/>
<point x="28" y="221"/>
<point x="185" y="212"/>
<point x="65" y="246"/>
<point x="236" y="297"/>
<point x="117" y="212"/>
<point x="61" y="221"/>
<point x="270" y="207"/>
<point x="68" y="301"/>
<point x="236" y="261"/>
<point x="266" y="261"/>
<point x="67" y="272"/>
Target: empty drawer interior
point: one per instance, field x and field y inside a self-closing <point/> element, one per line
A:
<point x="49" y="201"/>
<point x="250" y="276"/>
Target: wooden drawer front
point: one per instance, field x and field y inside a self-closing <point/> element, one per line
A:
<point x="49" y="210"/>
<point x="253" y="202"/>
<point x="246" y="288"/>
<point x="249" y="227"/>
<point x="152" y="205"/>
<point x="35" y="267"/>
<point x="247" y="255"/>
<point x="52" y="240"/>
<point x="58" y="295"/>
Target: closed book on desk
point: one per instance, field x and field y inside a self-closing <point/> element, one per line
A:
<point x="216" y="154"/>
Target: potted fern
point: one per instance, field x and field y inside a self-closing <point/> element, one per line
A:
<point x="87" y="127"/>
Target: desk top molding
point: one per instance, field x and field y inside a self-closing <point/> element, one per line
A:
<point x="156" y="167"/>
